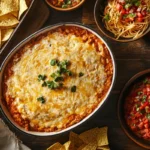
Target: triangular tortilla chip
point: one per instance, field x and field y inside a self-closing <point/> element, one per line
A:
<point x="56" y="146"/>
<point x="68" y="146"/>
<point x="90" y="135"/>
<point x="102" y="137"/>
<point x="8" y="6"/>
<point x="5" y="34"/>
<point x="8" y="21"/>
<point x="15" y="13"/>
<point x="75" y="140"/>
<point x="22" y="8"/>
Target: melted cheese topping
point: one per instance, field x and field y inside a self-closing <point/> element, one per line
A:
<point x="24" y="87"/>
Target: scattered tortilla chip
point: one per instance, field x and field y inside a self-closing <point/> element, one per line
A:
<point x="56" y="146"/>
<point x="5" y="34"/>
<point x="68" y="146"/>
<point x="90" y="135"/>
<point x="102" y="137"/>
<point x="103" y="147"/>
<point x="81" y="147"/>
<point x="15" y="13"/>
<point x="22" y="7"/>
<point x="8" y="6"/>
<point x="8" y="21"/>
<point x="75" y="140"/>
<point x="93" y="139"/>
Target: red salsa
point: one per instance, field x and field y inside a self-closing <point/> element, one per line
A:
<point x="65" y="3"/>
<point x="137" y="108"/>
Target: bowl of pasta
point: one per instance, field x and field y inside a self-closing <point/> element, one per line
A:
<point x="123" y="20"/>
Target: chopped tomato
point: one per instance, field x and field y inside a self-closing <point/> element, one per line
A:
<point x="137" y="108"/>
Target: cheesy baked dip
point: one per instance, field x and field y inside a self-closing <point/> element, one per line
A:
<point x="57" y="79"/>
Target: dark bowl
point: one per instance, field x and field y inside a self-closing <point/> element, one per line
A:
<point x="122" y="97"/>
<point x="99" y="13"/>
<point x="65" y="9"/>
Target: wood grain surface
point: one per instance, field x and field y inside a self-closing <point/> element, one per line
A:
<point x="131" y="58"/>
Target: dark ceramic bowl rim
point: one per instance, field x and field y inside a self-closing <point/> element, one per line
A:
<point x="113" y="38"/>
<point x="44" y="30"/>
<point x="141" y="142"/>
<point x="65" y="9"/>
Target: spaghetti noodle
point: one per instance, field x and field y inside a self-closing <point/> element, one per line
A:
<point x="127" y="18"/>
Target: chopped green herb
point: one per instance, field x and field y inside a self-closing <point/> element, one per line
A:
<point x="53" y="62"/>
<point x="145" y="81"/>
<point x="131" y="15"/>
<point x="128" y="5"/>
<point x="73" y="88"/>
<point x="140" y="92"/>
<point x="69" y="2"/>
<point x="52" y="85"/>
<point x="41" y="77"/>
<point x="144" y="97"/>
<point x="64" y="64"/>
<point x="44" y="84"/>
<point x="69" y="73"/>
<point x="148" y="116"/>
<point x="41" y="99"/>
<point x="64" y="6"/>
<point x="62" y="70"/>
<point x="53" y="75"/>
<point x="57" y="79"/>
<point x="81" y="74"/>
<point x="138" y="3"/>
<point x="107" y="17"/>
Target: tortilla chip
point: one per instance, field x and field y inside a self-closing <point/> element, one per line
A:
<point x="56" y="146"/>
<point x="8" y="21"/>
<point x="22" y="8"/>
<point x="81" y="147"/>
<point x="90" y="135"/>
<point x="102" y="137"/>
<point x="8" y="6"/>
<point x="5" y="34"/>
<point x="15" y="13"/>
<point x="90" y="146"/>
<point x="103" y="147"/>
<point x="75" y="140"/>
<point x="68" y="146"/>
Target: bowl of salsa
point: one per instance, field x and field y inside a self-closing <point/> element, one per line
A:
<point x="65" y="5"/>
<point x="134" y="108"/>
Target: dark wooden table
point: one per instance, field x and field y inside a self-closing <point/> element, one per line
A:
<point x="131" y="58"/>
